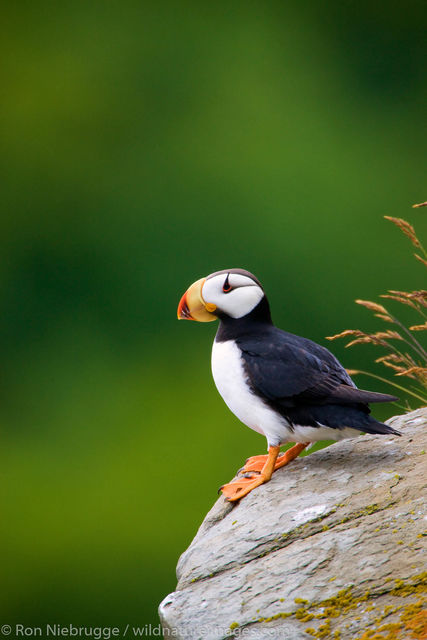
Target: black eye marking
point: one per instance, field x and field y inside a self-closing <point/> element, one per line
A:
<point x="226" y="287"/>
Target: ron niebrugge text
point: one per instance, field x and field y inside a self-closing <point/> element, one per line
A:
<point x="69" y="630"/>
<point x="130" y="632"/>
<point x="77" y="632"/>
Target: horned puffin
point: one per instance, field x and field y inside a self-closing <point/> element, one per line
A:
<point x="283" y="386"/>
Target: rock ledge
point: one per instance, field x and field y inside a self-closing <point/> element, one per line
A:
<point x="331" y="547"/>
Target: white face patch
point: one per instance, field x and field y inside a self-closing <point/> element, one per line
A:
<point x="240" y="295"/>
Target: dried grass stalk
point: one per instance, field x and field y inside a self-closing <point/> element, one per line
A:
<point x="392" y="357"/>
<point x="419" y="327"/>
<point x="421" y="294"/>
<point x="401" y="299"/>
<point x="394" y="335"/>
<point x="407" y="229"/>
<point x="373" y="306"/>
<point x="411" y="298"/>
<point x="414" y="372"/>
<point x="420" y="259"/>
<point x="383" y="317"/>
<point x="403" y="364"/>
<point x="395" y="367"/>
<point x="347" y="332"/>
<point x="368" y="338"/>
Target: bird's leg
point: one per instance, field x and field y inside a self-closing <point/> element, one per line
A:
<point x="242" y="486"/>
<point x="290" y="454"/>
<point x="265" y="466"/>
<point x="256" y="463"/>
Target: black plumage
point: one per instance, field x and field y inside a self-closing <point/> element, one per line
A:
<point x="299" y="378"/>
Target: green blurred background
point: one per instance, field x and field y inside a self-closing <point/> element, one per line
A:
<point x="146" y="145"/>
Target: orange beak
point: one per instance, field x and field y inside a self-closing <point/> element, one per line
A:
<point x="193" y="307"/>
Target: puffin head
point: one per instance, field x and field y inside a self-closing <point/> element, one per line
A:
<point x="230" y="293"/>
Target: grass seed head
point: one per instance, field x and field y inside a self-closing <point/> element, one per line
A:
<point x="407" y="229"/>
<point x="401" y="299"/>
<point x="347" y="332"/>
<point x="419" y="327"/>
<point x="373" y="306"/>
<point x="385" y="335"/>
<point x="415" y="372"/>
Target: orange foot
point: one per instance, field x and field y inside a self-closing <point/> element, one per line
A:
<point x="264" y="466"/>
<point x="257" y="463"/>
<point x="235" y="490"/>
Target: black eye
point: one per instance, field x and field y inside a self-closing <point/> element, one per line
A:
<point x="226" y="287"/>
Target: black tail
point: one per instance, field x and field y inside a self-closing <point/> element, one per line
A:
<point x="338" y="416"/>
<point x="374" y="426"/>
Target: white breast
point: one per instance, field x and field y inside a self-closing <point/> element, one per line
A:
<point x="230" y="380"/>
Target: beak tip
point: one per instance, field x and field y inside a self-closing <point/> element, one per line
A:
<point x="183" y="312"/>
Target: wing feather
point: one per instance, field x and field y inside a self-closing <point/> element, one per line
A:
<point x="290" y="371"/>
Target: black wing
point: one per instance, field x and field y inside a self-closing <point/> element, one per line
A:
<point x="289" y="371"/>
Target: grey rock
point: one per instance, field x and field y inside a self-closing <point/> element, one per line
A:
<point x="332" y="546"/>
